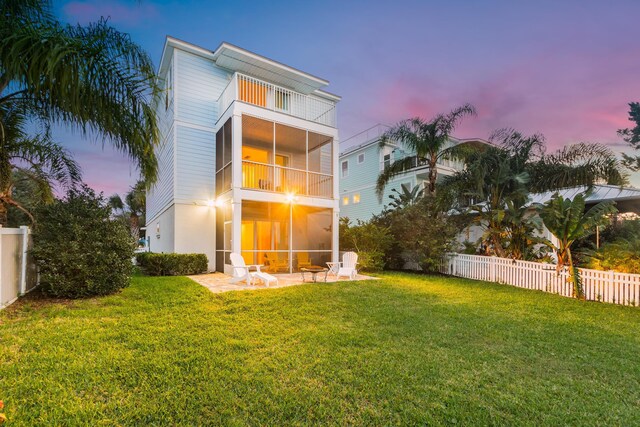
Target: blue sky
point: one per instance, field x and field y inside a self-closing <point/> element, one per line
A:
<point x="566" y="69"/>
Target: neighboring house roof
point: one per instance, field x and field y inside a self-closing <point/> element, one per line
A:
<point x="235" y="58"/>
<point x="627" y="199"/>
<point x="372" y="135"/>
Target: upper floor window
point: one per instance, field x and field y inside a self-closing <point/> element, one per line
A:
<point x="385" y="158"/>
<point x="360" y="158"/>
<point x="344" y="171"/>
<point x="356" y="198"/>
<point x="345" y="200"/>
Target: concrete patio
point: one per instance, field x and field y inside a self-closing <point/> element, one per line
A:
<point x="218" y="282"/>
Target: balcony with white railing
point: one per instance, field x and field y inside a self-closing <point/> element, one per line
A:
<point x="276" y="98"/>
<point x="266" y="177"/>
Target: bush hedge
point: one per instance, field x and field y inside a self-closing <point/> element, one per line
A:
<point x="172" y="264"/>
<point x="79" y="249"/>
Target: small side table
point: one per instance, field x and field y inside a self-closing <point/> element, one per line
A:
<point x="314" y="270"/>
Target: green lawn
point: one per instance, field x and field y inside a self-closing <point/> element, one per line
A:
<point x="405" y="350"/>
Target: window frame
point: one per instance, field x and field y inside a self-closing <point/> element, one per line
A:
<point x="358" y="158"/>
<point x="344" y="172"/>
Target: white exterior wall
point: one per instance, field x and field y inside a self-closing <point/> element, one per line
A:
<point x="161" y="231"/>
<point x="195" y="231"/>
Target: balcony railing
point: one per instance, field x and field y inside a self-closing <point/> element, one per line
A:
<point x="260" y="176"/>
<point x="257" y="92"/>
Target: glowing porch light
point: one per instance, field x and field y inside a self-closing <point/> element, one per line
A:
<point x="291" y="197"/>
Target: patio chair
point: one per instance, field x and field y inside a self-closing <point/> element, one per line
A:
<point x="243" y="273"/>
<point x="303" y="260"/>
<point x="346" y="268"/>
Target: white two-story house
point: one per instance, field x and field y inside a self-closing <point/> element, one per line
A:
<point x="247" y="160"/>
<point x="364" y="159"/>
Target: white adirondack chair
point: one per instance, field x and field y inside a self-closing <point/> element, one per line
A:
<point x="348" y="265"/>
<point x="243" y="273"/>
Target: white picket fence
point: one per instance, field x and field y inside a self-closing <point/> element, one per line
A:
<point x="604" y="286"/>
<point x="17" y="271"/>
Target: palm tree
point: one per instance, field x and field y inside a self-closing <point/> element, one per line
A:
<point x="576" y="165"/>
<point x="133" y="208"/>
<point x="92" y="78"/>
<point x="30" y="158"/>
<point x="427" y="140"/>
<point x="568" y="222"/>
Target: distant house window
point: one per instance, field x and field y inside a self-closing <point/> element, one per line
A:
<point x="386" y="161"/>
<point x="360" y="158"/>
<point x="356" y="198"/>
<point x="345" y="169"/>
<point x="345" y="200"/>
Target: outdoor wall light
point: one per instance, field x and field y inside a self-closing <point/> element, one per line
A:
<point x="291" y="197"/>
<point x="219" y="203"/>
<point x="211" y="203"/>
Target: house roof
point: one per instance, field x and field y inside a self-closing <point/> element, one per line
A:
<point x="235" y="58"/>
<point x="372" y="135"/>
<point x="627" y="199"/>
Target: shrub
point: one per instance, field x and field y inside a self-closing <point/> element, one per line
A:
<point x="422" y="234"/>
<point x="79" y="249"/>
<point x="621" y="255"/>
<point x="172" y="264"/>
<point x="369" y="240"/>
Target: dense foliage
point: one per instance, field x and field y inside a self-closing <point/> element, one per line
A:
<point x="422" y="234"/>
<point x="567" y="221"/>
<point x="172" y="264"/>
<point x="80" y="251"/>
<point x="371" y="242"/>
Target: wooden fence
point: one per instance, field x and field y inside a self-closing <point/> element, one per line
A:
<point x="17" y="271"/>
<point x="604" y="286"/>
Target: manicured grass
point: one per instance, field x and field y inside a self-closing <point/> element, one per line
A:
<point x="404" y="350"/>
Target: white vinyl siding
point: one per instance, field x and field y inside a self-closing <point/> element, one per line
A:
<point x="195" y="163"/>
<point x="160" y="196"/>
<point x="199" y="83"/>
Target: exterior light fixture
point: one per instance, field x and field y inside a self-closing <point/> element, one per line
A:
<point x="211" y="203"/>
<point x="219" y="203"/>
<point x="291" y="197"/>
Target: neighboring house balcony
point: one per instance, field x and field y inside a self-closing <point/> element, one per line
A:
<point x="276" y="98"/>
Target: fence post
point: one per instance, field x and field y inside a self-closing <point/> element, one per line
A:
<point x="23" y="259"/>
<point x="492" y="269"/>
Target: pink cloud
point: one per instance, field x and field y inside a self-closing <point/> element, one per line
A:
<point x="131" y="13"/>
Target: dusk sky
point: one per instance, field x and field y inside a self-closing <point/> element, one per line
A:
<point x="566" y="69"/>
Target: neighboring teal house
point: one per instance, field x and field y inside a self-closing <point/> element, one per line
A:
<point x="364" y="159"/>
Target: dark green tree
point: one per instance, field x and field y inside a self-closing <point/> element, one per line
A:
<point x="632" y="137"/>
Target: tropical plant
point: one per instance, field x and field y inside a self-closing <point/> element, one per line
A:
<point x="427" y="141"/>
<point x="32" y="163"/>
<point x="494" y="179"/>
<point x="407" y="197"/>
<point x="495" y="185"/>
<point x="133" y="208"/>
<point x="92" y="78"/>
<point x="80" y="250"/>
<point x="567" y="221"/>
<point x="579" y="164"/>
<point x="632" y="137"/>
